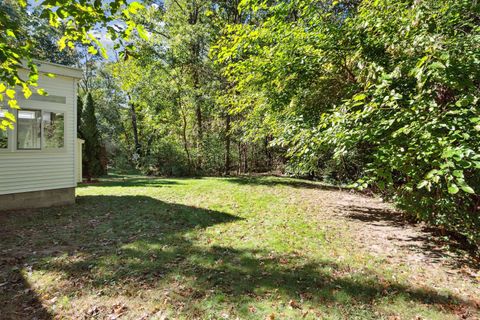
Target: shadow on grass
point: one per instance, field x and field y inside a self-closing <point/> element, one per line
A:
<point x="126" y="244"/>
<point x="131" y="182"/>
<point x="276" y="181"/>
<point x="429" y="241"/>
<point x="17" y="299"/>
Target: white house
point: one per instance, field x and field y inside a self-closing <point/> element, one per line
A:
<point x="38" y="159"/>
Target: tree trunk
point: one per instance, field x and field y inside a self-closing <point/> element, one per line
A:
<point x="184" y="134"/>
<point x="245" y="158"/>
<point x="198" y="112"/>
<point x="133" y="113"/>
<point x="227" y="145"/>
<point x="239" y="157"/>
<point x="152" y="137"/>
<point x="195" y="61"/>
<point x="268" y="154"/>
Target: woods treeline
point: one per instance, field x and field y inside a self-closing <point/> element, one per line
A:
<point x="374" y="94"/>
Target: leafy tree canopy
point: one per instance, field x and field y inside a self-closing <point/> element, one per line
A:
<point x="76" y="18"/>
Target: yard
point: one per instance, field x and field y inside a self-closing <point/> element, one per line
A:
<point x="227" y="248"/>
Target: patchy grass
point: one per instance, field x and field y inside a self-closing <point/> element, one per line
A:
<point x="207" y="248"/>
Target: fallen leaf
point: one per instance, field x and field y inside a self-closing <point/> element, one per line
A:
<point x="94" y="310"/>
<point x="118" y="310"/>
<point x="294" y="304"/>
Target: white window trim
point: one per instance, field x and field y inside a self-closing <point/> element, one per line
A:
<point x="13" y="134"/>
<point x="9" y="143"/>
<point x="9" y="132"/>
<point x="55" y="150"/>
<point x="41" y="131"/>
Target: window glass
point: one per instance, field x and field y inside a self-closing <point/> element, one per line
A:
<point x="29" y="129"/>
<point x="3" y="133"/>
<point x="3" y="139"/>
<point x="53" y="129"/>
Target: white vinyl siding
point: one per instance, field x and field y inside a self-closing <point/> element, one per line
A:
<point x="34" y="170"/>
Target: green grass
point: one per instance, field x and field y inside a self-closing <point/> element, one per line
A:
<point x="206" y="248"/>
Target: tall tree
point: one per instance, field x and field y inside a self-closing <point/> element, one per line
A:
<point x="79" y="116"/>
<point x="387" y="91"/>
<point x="92" y="162"/>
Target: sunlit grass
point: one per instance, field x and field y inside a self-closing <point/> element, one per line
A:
<point x="207" y="248"/>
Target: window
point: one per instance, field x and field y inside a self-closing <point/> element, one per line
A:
<point x="3" y="139"/>
<point x="3" y="133"/>
<point x="37" y="130"/>
<point x="53" y="130"/>
<point x="29" y="128"/>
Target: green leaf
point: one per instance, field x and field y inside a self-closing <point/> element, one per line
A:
<point x="27" y="92"/>
<point x="453" y="189"/>
<point x="359" y="97"/>
<point x="62" y="42"/>
<point x="134" y="7"/>
<point x="431" y="173"/>
<point x="458" y="173"/>
<point x="10" y="116"/>
<point x="10" y="93"/>
<point x="437" y="65"/>
<point x="42" y="92"/>
<point x="92" y="50"/>
<point x="422" y="184"/>
<point x="448" y="153"/>
<point x="468" y="189"/>
<point x="141" y="32"/>
<point x="13" y="104"/>
<point x="10" y="33"/>
<point x="422" y="61"/>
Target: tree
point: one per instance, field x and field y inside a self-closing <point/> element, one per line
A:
<point x="79" y="116"/>
<point x="92" y="148"/>
<point x="388" y="92"/>
<point x="76" y="18"/>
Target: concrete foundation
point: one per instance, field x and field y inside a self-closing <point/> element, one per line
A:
<point x="37" y="199"/>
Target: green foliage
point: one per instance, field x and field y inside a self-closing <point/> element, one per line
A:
<point x="416" y="109"/>
<point x="79" y="116"/>
<point x="175" y="97"/>
<point x="390" y="89"/>
<point x="376" y="94"/>
<point x="14" y="46"/>
<point x="76" y="18"/>
<point x="166" y="158"/>
<point x="92" y="153"/>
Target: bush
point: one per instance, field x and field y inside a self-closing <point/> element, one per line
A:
<point x="165" y="158"/>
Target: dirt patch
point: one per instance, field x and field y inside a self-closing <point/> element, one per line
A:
<point x="381" y="231"/>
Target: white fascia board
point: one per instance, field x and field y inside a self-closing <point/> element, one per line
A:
<point x="57" y="69"/>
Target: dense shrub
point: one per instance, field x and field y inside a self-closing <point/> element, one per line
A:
<point x="384" y="91"/>
<point x="165" y="158"/>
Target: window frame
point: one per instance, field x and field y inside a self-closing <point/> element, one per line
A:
<point x="18" y="131"/>
<point x="64" y="132"/>
<point x="10" y="134"/>
<point x="9" y="143"/>
<point x="13" y="134"/>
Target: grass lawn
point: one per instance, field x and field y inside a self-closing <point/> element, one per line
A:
<point x="210" y="248"/>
